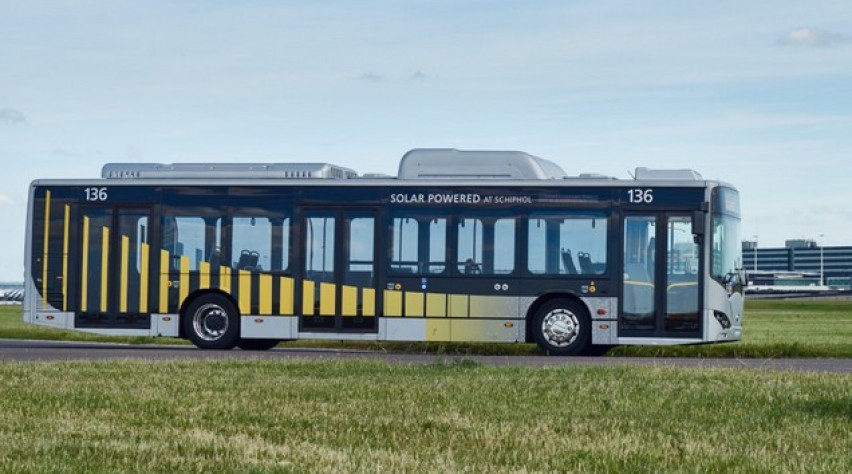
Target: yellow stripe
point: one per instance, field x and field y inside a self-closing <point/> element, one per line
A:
<point x="84" y="277"/>
<point x="436" y="305"/>
<point x="368" y="302"/>
<point x="307" y="297"/>
<point x="287" y="295"/>
<point x="414" y="304"/>
<point x="265" y="294"/>
<point x="245" y="291"/>
<point x="183" y="280"/>
<point x="327" y="299"/>
<point x="349" y="301"/>
<point x="203" y="275"/>
<point x="125" y="257"/>
<point x="144" y="250"/>
<point x="164" y="281"/>
<point x="393" y="303"/>
<point x="46" y="244"/>
<point x="65" y="258"/>
<point x="104" y="268"/>
<point x="458" y="306"/>
<point x="225" y="279"/>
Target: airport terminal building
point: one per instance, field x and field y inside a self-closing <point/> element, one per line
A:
<point x="799" y="262"/>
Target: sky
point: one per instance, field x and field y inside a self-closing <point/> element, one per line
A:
<point x="758" y="94"/>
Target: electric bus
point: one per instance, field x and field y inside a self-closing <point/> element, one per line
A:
<point x="475" y="246"/>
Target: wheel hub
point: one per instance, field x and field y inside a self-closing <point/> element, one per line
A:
<point x="210" y="322"/>
<point x="560" y="327"/>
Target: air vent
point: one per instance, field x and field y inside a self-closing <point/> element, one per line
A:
<point x="450" y="163"/>
<point x="665" y="175"/>
<point x="226" y="171"/>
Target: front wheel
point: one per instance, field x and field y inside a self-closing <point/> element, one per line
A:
<point x="562" y="327"/>
<point x="212" y="322"/>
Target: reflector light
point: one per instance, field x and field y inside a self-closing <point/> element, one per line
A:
<point x="602" y="311"/>
<point x="508" y="325"/>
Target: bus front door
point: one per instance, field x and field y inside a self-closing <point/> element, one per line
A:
<point x="338" y="271"/>
<point x="113" y="263"/>
<point x="661" y="287"/>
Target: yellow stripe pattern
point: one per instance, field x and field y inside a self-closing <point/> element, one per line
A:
<point x="245" y="291"/>
<point x="203" y="275"/>
<point x="286" y="295"/>
<point x="144" y="252"/>
<point x="104" y="269"/>
<point x="183" y="279"/>
<point x="84" y="277"/>
<point x="264" y="294"/>
<point x="165" y="283"/>
<point x="124" y="275"/>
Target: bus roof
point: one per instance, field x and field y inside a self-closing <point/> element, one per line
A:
<point x="423" y="165"/>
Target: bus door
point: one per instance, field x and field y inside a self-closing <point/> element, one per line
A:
<point x="661" y="268"/>
<point x="114" y="256"/>
<point x="338" y="270"/>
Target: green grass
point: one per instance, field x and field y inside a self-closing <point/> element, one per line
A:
<point x="771" y="329"/>
<point x="332" y="416"/>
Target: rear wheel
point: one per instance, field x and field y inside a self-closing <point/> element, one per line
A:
<point x="257" y="344"/>
<point x="562" y="327"/>
<point x="212" y="322"/>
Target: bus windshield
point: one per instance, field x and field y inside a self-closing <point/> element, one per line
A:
<point x="727" y="250"/>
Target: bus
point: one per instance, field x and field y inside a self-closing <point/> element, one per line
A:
<point x="460" y="245"/>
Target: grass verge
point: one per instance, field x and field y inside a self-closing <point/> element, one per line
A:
<point x="785" y="329"/>
<point x="310" y="416"/>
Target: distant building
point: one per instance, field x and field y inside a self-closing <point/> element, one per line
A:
<point x="801" y="257"/>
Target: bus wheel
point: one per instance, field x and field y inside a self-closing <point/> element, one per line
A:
<point x="257" y="344"/>
<point x="212" y="322"/>
<point x="562" y="327"/>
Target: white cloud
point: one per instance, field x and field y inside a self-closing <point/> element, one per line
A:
<point x="10" y="115"/>
<point x="5" y="199"/>
<point x="812" y="37"/>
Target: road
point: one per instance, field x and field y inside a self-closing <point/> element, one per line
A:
<point x="18" y="350"/>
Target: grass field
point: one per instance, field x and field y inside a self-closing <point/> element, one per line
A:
<point x="771" y="329"/>
<point x="279" y="416"/>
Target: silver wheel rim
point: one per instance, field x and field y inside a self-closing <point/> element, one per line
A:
<point x="210" y="322"/>
<point x="560" y="327"/>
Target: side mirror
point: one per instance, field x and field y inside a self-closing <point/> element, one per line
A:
<point x="699" y="222"/>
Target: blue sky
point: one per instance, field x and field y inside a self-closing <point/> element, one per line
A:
<point x="755" y="93"/>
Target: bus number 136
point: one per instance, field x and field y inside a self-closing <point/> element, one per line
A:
<point x="642" y="196"/>
<point x="96" y="194"/>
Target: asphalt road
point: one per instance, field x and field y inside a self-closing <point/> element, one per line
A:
<point x="18" y="350"/>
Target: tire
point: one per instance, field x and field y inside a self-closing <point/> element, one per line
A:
<point x="562" y="327"/>
<point x="257" y="344"/>
<point x="212" y="322"/>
